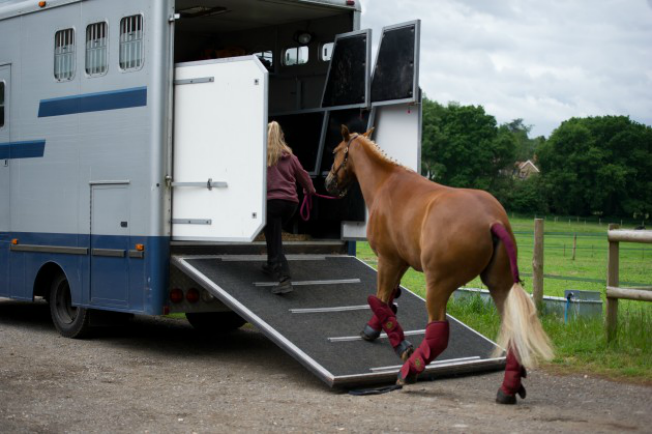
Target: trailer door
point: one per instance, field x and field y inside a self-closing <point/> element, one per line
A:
<point x="220" y="150"/>
<point x="395" y="103"/>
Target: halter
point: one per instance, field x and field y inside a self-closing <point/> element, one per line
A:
<point x="346" y="155"/>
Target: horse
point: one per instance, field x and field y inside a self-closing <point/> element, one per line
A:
<point x="451" y="235"/>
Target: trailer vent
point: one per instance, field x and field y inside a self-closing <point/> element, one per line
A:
<point x="97" y="54"/>
<point x="131" y="43"/>
<point x="64" y="55"/>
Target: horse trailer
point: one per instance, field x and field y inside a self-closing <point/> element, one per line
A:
<point x="133" y="162"/>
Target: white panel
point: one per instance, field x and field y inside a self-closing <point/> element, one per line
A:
<point x="220" y="134"/>
<point x="398" y="133"/>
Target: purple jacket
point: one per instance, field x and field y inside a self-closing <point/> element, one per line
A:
<point x="283" y="176"/>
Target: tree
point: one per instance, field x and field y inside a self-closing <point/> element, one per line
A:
<point x="463" y="147"/>
<point x="598" y="165"/>
<point x="525" y="146"/>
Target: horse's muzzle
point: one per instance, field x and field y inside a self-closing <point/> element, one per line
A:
<point x="332" y="186"/>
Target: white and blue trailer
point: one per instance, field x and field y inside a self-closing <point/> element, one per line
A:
<point x="133" y="158"/>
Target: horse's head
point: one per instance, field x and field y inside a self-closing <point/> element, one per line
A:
<point x="342" y="173"/>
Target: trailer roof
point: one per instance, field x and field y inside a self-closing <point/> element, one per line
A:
<point x="236" y="15"/>
<point x="13" y="8"/>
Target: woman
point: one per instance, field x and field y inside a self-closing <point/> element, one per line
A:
<point x="283" y="172"/>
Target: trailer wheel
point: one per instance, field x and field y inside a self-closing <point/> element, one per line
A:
<point x="70" y="321"/>
<point x="215" y="322"/>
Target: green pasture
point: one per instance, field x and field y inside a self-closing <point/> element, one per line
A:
<point x="580" y="344"/>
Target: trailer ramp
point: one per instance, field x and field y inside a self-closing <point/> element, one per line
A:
<point x="319" y="322"/>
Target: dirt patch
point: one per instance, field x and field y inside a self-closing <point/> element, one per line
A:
<point x="158" y="375"/>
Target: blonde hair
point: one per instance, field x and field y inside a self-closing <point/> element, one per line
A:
<point x="276" y="145"/>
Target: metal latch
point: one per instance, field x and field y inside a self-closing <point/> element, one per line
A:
<point x="210" y="184"/>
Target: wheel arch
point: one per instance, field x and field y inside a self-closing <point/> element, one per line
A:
<point x="44" y="278"/>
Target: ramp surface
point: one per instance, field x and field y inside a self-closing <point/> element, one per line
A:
<point x="320" y="321"/>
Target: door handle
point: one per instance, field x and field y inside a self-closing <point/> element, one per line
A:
<point x="210" y="184"/>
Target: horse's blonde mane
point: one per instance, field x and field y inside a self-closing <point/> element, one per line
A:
<point x="378" y="151"/>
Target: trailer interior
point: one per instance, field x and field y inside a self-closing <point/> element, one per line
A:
<point x="294" y="41"/>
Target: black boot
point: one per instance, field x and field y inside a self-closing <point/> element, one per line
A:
<point x="283" y="287"/>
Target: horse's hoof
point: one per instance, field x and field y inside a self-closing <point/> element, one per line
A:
<point x="521" y="392"/>
<point x="503" y="398"/>
<point x="404" y="350"/>
<point x="369" y="334"/>
<point x="411" y="378"/>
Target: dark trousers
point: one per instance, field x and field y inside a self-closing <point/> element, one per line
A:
<point x="279" y="213"/>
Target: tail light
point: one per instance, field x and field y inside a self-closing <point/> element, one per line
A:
<point x="176" y="295"/>
<point x="192" y="295"/>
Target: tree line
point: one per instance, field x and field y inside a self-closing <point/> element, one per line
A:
<point x="588" y="166"/>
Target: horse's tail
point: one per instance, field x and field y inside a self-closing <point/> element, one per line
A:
<point x="520" y="328"/>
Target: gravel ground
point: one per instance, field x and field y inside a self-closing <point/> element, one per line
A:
<point x="160" y="376"/>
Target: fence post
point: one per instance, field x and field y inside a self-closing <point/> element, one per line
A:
<point x="612" y="280"/>
<point x="537" y="264"/>
<point x="574" y="245"/>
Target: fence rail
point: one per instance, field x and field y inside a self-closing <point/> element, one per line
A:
<point x="614" y="292"/>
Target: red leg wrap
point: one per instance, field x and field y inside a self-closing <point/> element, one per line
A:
<point x="387" y="319"/>
<point x="513" y="374"/>
<point x="433" y="344"/>
<point x="375" y="323"/>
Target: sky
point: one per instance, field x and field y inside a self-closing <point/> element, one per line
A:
<point x="544" y="61"/>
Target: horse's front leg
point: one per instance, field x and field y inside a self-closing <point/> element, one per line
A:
<point x="435" y="340"/>
<point x="384" y="310"/>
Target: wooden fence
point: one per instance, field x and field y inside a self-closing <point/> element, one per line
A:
<point x="614" y="292"/>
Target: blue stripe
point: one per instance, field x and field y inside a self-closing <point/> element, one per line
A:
<point x="15" y="150"/>
<point x="93" y="102"/>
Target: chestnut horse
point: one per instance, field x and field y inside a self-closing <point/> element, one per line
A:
<point x="451" y="235"/>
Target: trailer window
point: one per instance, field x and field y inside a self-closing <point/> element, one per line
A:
<point x="295" y="56"/>
<point x="131" y="43"/>
<point x="2" y="104"/>
<point x="266" y="58"/>
<point x="97" y="53"/>
<point x="326" y="52"/>
<point x="64" y="55"/>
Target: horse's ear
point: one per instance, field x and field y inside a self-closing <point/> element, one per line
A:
<point x="345" y="133"/>
<point x="369" y="133"/>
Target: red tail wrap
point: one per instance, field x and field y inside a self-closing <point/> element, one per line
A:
<point x="499" y="231"/>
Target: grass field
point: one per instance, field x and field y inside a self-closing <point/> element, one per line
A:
<point x="580" y="344"/>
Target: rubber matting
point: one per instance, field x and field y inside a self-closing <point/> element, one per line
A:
<point x="327" y="343"/>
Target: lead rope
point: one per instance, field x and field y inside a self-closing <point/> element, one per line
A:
<point x="306" y="205"/>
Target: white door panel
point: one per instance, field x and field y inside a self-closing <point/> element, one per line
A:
<point x="220" y="143"/>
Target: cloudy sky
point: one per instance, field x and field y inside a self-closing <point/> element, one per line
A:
<point x="541" y="60"/>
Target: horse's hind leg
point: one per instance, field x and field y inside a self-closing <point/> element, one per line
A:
<point x="437" y="331"/>
<point x="498" y="278"/>
<point x="384" y="310"/>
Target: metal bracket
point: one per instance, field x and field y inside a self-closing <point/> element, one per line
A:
<point x="210" y="184"/>
<point x="206" y="222"/>
<point x="194" y="80"/>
